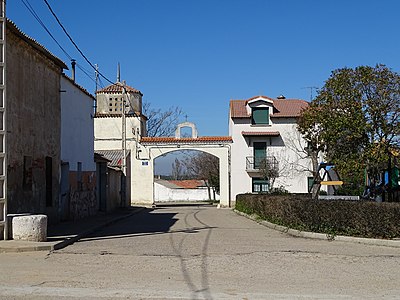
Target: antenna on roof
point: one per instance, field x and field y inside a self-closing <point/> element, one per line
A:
<point x="118" y="73"/>
<point x="311" y="90"/>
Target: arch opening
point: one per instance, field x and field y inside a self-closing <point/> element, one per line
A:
<point x="186" y="176"/>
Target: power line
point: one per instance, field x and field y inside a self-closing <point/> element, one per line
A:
<point x="72" y="41"/>
<point x="36" y="16"/>
<point x="86" y="73"/>
<point x="30" y="8"/>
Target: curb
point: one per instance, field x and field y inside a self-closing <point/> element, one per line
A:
<point x="321" y="236"/>
<point x="68" y="241"/>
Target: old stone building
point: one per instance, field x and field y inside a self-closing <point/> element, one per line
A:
<point x="33" y="125"/>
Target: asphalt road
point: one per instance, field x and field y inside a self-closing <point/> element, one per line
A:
<point x="201" y="252"/>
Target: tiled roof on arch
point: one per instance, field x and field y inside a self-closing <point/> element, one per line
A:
<point x="174" y="140"/>
<point x="117" y="88"/>
<point x="283" y="108"/>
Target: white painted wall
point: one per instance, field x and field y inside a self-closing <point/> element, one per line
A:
<point x="142" y="189"/>
<point x="292" y="178"/>
<point x="77" y="136"/>
<point x="165" y="194"/>
<point x="108" y="136"/>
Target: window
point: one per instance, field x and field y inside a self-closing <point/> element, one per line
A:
<point x="310" y="182"/>
<point x="260" y="153"/>
<point x="260" y="185"/>
<point x="260" y="116"/>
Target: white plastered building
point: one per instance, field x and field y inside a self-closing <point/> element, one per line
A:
<point x="108" y="128"/>
<point x="263" y="128"/>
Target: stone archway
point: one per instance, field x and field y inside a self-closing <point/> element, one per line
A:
<point x="142" y="188"/>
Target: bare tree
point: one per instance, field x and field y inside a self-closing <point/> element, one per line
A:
<point x="177" y="170"/>
<point x="159" y="122"/>
<point x="278" y="165"/>
<point x="205" y="167"/>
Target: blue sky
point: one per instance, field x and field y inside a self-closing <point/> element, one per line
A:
<point x="200" y="54"/>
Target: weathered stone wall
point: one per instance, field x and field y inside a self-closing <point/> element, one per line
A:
<point x="82" y="201"/>
<point x="33" y="124"/>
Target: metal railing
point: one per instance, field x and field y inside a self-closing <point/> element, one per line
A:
<point x="262" y="163"/>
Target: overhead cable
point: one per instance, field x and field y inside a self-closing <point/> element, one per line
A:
<point x="72" y="41"/>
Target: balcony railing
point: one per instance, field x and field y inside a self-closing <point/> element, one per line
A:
<point x="268" y="163"/>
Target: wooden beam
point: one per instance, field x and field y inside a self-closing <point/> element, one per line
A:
<point x="337" y="182"/>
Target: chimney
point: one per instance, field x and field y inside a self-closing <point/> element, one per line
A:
<point x="73" y="63"/>
<point x="281" y="97"/>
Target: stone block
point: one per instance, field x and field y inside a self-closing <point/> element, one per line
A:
<point x="30" y="228"/>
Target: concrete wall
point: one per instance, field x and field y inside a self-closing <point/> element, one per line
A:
<point x="165" y="194"/>
<point x="108" y="133"/>
<point x="82" y="195"/>
<point x="285" y="147"/>
<point x="77" y="126"/>
<point x="33" y="122"/>
<point x="78" y="194"/>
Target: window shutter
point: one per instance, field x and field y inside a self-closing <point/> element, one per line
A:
<point x="260" y="115"/>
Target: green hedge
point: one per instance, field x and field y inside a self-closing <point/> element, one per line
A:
<point x="355" y="218"/>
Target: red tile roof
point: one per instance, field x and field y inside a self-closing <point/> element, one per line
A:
<point x="289" y="107"/>
<point x="282" y="107"/>
<point x="188" y="184"/>
<point x="128" y="115"/>
<point x="260" y="133"/>
<point x="117" y="88"/>
<point x="238" y="109"/>
<point x="198" y="140"/>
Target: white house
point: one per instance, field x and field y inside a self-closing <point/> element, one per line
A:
<point x="78" y="169"/>
<point x="264" y="132"/>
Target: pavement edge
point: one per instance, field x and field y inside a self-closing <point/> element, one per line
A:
<point x="321" y="236"/>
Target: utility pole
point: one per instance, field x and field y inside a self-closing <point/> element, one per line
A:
<point x="3" y="129"/>
<point x="123" y="176"/>
<point x="96" y="73"/>
<point x="123" y="129"/>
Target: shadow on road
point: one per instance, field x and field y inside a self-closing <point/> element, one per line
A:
<point x="146" y="222"/>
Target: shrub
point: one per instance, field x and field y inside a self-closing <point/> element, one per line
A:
<point x="355" y="218"/>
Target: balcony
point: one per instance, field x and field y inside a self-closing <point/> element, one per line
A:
<point x="268" y="165"/>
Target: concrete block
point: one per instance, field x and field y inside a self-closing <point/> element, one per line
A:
<point x="30" y="228"/>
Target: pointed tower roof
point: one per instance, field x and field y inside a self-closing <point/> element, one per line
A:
<point x="117" y="88"/>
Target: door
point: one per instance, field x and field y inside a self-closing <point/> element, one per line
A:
<point x="101" y="174"/>
<point x="260" y="153"/>
<point x="64" y="190"/>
